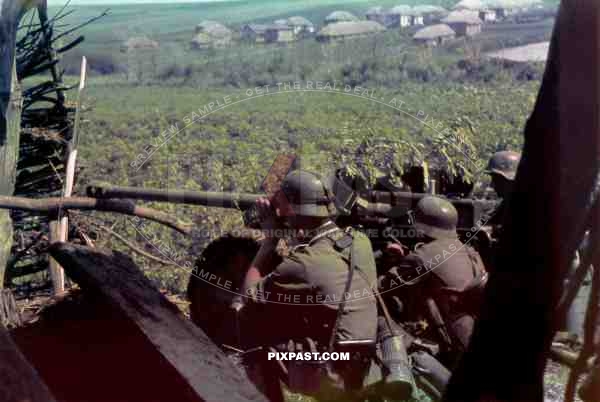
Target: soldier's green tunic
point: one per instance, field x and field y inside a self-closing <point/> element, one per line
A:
<point x="301" y="297"/>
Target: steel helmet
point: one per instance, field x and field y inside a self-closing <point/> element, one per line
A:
<point x="504" y="163"/>
<point x="306" y="194"/>
<point x="436" y="218"/>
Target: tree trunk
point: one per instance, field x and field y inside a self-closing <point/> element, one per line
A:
<point x="10" y="120"/>
<point x="544" y="221"/>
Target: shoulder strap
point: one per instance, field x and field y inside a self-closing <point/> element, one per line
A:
<point x="342" y="305"/>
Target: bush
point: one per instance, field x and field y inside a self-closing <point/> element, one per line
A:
<point x="99" y="63"/>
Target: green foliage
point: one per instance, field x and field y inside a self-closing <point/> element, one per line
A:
<point x="458" y="109"/>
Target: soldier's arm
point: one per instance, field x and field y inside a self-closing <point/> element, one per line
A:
<point x="409" y="271"/>
<point x="261" y="264"/>
<point x="286" y="283"/>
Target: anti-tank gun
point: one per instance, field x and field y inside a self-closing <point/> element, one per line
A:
<point x="384" y="214"/>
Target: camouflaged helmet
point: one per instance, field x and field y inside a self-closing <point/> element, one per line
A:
<point x="436" y="218"/>
<point x="504" y="163"/>
<point x="307" y="195"/>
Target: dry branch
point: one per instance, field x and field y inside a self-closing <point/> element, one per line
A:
<point x="51" y="206"/>
<point x="134" y="248"/>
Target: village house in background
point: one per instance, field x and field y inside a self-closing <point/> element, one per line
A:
<point x="402" y="15"/>
<point x="348" y="29"/>
<point x="431" y="14"/>
<point x="496" y="10"/>
<point x="399" y="16"/>
<point x="279" y="34"/>
<point x="253" y="33"/>
<point x="466" y="19"/>
<point x="261" y="33"/>
<point x="487" y="15"/>
<point x="300" y="26"/>
<point x="340" y="16"/>
<point x="469" y="5"/>
<point x="139" y="43"/>
<point x="434" y="35"/>
<point x="464" y="23"/>
<point x="416" y="17"/>
<point x="376" y="14"/>
<point x="211" y="34"/>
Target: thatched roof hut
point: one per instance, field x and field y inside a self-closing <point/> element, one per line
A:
<point x="402" y="9"/>
<point x="464" y="23"/>
<point x="139" y="43"/>
<point x="340" y="16"/>
<point x="211" y="34"/>
<point x="431" y="14"/>
<point x="346" y="29"/>
<point x="468" y="17"/>
<point x="474" y="5"/>
<point x="377" y="10"/>
<point x="300" y="25"/>
<point x="253" y="32"/>
<point x="434" y="34"/>
<point x="426" y="8"/>
<point x="206" y="25"/>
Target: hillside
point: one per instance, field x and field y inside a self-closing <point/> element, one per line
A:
<point x="134" y="99"/>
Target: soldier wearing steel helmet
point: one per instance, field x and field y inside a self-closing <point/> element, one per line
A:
<point x="437" y="282"/>
<point x="502" y="168"/>
<point x="300" y="297"/>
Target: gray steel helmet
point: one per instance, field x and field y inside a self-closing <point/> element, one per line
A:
<point x="436" y="217"/>
<point x="504" y="163"/>
<point x="307" y="195"/>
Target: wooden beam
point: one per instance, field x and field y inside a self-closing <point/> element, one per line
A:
<point x="19" y="382"/>
<point x="51" y="206"/>
<point x="200" y="363"/>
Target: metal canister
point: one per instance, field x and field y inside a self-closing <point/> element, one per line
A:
<point x="398" y="381"/>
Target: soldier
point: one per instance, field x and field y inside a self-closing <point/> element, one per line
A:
<point x="297" y="302"/>
<point x="440" y="282"/>
<point x="502" y="167"/>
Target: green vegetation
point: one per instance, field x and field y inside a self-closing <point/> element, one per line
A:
<point x="133" y="99"/>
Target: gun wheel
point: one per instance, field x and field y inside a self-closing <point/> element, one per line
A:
<point x="217" y="277"/>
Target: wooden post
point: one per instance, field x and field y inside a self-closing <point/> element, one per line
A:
<point x="56" y="272"/>
<point x="61" y="232"/>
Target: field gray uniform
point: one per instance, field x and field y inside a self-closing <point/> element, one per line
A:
<point x="432" y="270"/>
<point x="301" y="297"/>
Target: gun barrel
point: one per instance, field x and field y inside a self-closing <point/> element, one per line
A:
<point x="374" y="203"/>
<point x="241" y="201"/>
